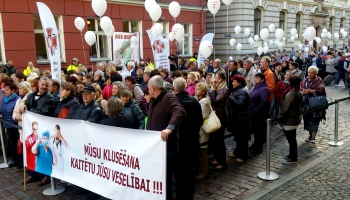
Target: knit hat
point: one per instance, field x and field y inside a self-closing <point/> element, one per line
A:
<point x="25" y="85"/>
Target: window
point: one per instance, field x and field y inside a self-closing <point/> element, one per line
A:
<point x="257" y="21"/>
<point x="42" y="54"/>
<point x="342" y="23"/>
<point x="130" y="26"/>
<point x="101" y="49"/>
<point x="185" y="45"/>
<point x="282" y="20"/>
<point x="331" y="20"/>
<point x="297" y="22"/>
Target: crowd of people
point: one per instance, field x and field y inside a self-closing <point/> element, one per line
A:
<point x="177" y="101"/>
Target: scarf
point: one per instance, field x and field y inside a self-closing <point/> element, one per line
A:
<point x="222" y="85"/>
<point x="10" y="98"/>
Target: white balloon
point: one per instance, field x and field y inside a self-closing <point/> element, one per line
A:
<point x="310" y="33"/>
<point x="306" y="49"/>
<point x="156" y="30"/>
<point x="256" y="37"/>
<point x="329" y="35"/>
<point x="342" y="30"/>
<point x="345" y="34"/>
<point x="237" y="29"/>
<point x="148" y="4"/>
<point x="323" y="35"/>
<point x="227" y="2"/>
<point x="250" y="40"/>
<point x="264" y="33"/>
<point x="324" y="31"/>
<point x="259" y="51"/>
<point x="252" y="44"/>
<point x="279" y="34"/>
<point x="106" y="23"/>
<point x="311" y="43"/>
<point x="271" y="42"/>
<point x="324" y="49"/>
<point x="336" y="35"/>
<point x="276" y="42"/>
<point x="155" y="12"/>
<point x="271" y="27"/>
<point x="284" y="38"/>
<point x="293" y="31"/>
<point x="280" y="45"/>
<point x="171" y="36"/>
<point x="79" y="23"/>
<point x="239" y="47"/>
<point x="232" y="42"/>
<point x="318" y="40"/>
<point x="296" y="36"/>
<point x="174" y="9"/>
<point x="300" y="46"/>
<point x="90" y="37"/>
<point x="206" y="48"/>
<point x="266" y="49"/>
<point x="247" y="32"/>
<point x="214" y="6"/>
<point x="133" y="40"/>
<point x="110" y="32"/>
<point x="266" y="44"/>
<point x="99" y="7"/>
<point x="292" y="38"/>
<point x="230" y="58"/>
<point x="178" y="31"/>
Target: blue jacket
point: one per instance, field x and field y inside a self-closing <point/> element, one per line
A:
<point x="7" y="110"/>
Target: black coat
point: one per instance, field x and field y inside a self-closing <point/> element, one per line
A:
<point x="229" y="81"/>
<point x="91" y="112"/>
<point x="191" y="124"/>
<point x="45" y="104"/>
<point x="239" y="111"/>
<point x="70" y="103"/>
<point x="123" y="121"/>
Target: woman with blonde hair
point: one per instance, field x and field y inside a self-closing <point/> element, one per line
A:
<point x="192" y="80"/>
<point x="98" y="97"/>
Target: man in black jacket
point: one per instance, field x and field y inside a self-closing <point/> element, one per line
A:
<point x="90" y="110"/>
<point x="188" y="139"/>
<point x="232" y="70"/>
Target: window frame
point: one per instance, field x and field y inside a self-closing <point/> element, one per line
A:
<point x="97" y="43"/>
<point x="60" y="31"/>
<point x="2" y="45"/>
<point x="298" y="23"/>
<point x="331" y="25"/>
<point x="257" y="21"/>
<point x="342" y="23"/>
<point x="182" y="43"/>
<point x="282" y="21"/>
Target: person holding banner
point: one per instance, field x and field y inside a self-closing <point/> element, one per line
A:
<point x="116" y="116"/>
<point x="67" y="105"/>
<point x="165" y="113"/>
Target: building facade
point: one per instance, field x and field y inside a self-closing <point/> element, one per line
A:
<point x="22" y="38"/>
<point x="257" y="14"/>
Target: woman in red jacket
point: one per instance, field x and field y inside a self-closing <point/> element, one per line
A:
<point x="282" y="86"/>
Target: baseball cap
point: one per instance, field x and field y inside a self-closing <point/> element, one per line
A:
<point x="88" y="89"/>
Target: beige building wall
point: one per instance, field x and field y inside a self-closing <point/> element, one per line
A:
<point x="241" y="12"/>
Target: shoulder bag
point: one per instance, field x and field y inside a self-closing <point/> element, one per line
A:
<point x="212" y="122"/>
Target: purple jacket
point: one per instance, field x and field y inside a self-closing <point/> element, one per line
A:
<point x="259" y="98"/>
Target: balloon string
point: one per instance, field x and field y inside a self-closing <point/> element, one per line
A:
<point x="214" y="37"/>
<point x="82" y="43"/>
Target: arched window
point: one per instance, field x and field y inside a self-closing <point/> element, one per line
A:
<point x="342" y="23"/>
<point x="331" y="22"/>
<point x="257" y="21"/>
<point x="282" y="20"/>
<point x="298" y="22"/>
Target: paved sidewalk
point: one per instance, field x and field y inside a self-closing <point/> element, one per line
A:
<point x="240" y="181"/>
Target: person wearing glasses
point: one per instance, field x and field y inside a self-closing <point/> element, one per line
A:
<point x="74" y="65"/>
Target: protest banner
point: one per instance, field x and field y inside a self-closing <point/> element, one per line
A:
<point x="159" y="50"/>
<point x="116" y="163"/>
<point x="124" y="49"/>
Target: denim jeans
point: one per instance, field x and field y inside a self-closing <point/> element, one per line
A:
<point x="340" y="76"/>
<point x="274" y="109"/>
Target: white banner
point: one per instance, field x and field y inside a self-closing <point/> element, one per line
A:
<point x="201" y="59"/>
<point x="52" y="40"/>
<point x="160" y="50"/>
<point x="116" y="163"/>
<point x="124" y="49"/>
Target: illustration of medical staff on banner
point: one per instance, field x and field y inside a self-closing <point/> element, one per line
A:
<point x="126" y="47"/>
<point x="114" y="163"/>
<point x="159" y="47"/>
<point x="209" y="37"/>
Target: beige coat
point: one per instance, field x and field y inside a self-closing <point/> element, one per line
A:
<point x="250" y="79"/>
<point x="203" y="136"/>
<point x="16" y="112"/>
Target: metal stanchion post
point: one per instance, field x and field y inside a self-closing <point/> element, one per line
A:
<point x="336" y="142"/>
<point x="53" y="190"/>
<point x="3" y="165"/>
<point x="269" y="176"/>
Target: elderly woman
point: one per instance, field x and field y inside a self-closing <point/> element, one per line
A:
<point x="146" y="77"/>
<point x="135" y="89"/>
<point x="259" y="105"/>
<point x="132" y="109"/>
<point x="24" y="90"/>
<point x="218" y="96"/>
<point x="98" y="97"/>
<point x="312" y="86"/>
<point x="67" y="105"/>
<point x="290" y="109"/>
<point x="99" y="78"/>
<point x="192" y="80"/>
<point x="201" y="96"/>
<point x="117" y="86"/>
<point x="240" y="117"/>
<point x="115" y="115"/>
<point x="7" y="108"/>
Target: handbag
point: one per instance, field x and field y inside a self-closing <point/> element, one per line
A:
<point x="318" y="102"/>
<point x="19" y="147"/>
<point x="212" y="122"/>
<point x="64" y="113"/>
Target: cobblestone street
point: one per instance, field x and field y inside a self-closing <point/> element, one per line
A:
<point x="322" y="171"/>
